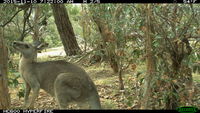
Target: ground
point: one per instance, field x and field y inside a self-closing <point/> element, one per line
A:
<point x="107" y="85"/>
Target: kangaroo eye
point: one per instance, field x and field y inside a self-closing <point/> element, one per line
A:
<point x="26" y="46"/>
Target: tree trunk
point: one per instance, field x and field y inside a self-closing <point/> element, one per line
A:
<point x="108" y="43"/>
<point x="84" y="27"/>
<point x="65" y="29"/>
<point x="181" y="74"/>
<point x="149" y="60"/>
<point x="172" y="97"/>
<point x="36" y="27"/>
<point x="36" y="36"/>
<point x="4" y="92"/>
<point x="121" y="83"/>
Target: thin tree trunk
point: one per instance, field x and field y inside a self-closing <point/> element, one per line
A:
<point x="149" y="60"/>
<point x="36" y="36"/>
<point x="84" y="37"/>
<point x="4" y="92"/>
<point x="36" y="27"/>
<point x="108" y="37"/>
<point x="65" y="29"/>
<point x="121" y="83"/>
<point x="84" y="29"/>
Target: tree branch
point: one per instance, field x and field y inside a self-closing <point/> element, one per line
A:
<point x="24" y="25"/>
<point x="10" y="18"/>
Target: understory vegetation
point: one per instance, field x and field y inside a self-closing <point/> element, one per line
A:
<point x="140" y="56"/>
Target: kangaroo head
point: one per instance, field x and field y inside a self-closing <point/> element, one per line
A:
<point x="26" y="49"/>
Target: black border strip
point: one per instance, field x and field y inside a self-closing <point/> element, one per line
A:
<point x="100" y="1"/>
<point x="86" y="111"/>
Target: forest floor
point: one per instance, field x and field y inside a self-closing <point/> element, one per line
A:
<point x="107" y="85"/>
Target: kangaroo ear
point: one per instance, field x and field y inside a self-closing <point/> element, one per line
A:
<point x="39" y="45"/>
<point x="42" y="46"/>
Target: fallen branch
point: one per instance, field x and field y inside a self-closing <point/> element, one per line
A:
<point x="88" y="53"/>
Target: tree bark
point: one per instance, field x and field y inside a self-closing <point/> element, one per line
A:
<point x="36" y="33"/>
<point x="149" y="60"/>
<point x="65" y="29"/>
<point x="108" y="43"/>
<point x="36" y="22"/>
<point x="121" y="83"/>
<point x="4" y="92"/>
<point x="36" y="27"/>
<point x="84" y="27"/>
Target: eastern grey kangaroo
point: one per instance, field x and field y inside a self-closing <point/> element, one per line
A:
<point x="63" y="80"/>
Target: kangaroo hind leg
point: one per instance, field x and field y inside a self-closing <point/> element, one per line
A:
<point x="66" y="91"/>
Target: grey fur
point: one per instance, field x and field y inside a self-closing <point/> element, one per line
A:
<point x="63" y="80"/>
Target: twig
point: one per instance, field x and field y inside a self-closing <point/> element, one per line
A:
<point x="24" y="25"/>
<point x="10" y="19"/>
<point x="185" y="28"/>
<point x="193" y="13"/>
